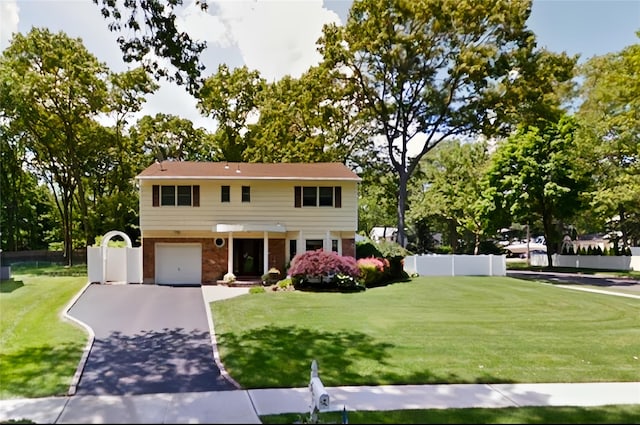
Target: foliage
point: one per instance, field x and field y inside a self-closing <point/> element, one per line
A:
<point x="423" y="71"/>
<point x="324" y="269"/>
<point x="610" y="94"/>
<point x="149" y="26"/>
<point x="367" y="249"/>
<point x="257" y="290"/>
<point x="372" y="270"/>
<point x="452" y="189"/>
<point x="168" y="137"/>
<point x="534" y="175"/>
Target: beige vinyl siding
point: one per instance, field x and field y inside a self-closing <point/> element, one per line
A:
<point x="271" y="202"/>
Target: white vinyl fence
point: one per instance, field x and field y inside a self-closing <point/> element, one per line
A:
<point x="604" y="262"/>
<point x="456" y="265"/>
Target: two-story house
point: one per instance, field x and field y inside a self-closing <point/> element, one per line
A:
<point x="202" y="220"/>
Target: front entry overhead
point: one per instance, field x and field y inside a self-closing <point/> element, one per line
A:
<point x="178" y="264"/>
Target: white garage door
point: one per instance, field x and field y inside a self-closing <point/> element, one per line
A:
<point x="178" y="264"/>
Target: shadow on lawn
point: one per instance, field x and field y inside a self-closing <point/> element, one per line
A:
<point x="7" y="286"/>
<point x="39" y="371"/>
<point x="272" y="357"/>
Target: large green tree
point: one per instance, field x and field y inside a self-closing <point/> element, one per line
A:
<point x="426" y="70"/>
<point x="52" y="88"/>
<point x="536" y="175"/>
<point x="452" y="188"/>
<point x="25" y="207"/>
<point x="232" y="99"/>
<point x="169" y="137"/>
<point x="611" y="132"/>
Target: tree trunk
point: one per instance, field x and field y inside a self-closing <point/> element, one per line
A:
<point x="402" y="196"/>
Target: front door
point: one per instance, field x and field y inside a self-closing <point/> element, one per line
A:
<point x="248" y="257"/>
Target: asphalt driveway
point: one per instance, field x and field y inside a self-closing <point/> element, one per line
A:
<point x="148" y="339"/>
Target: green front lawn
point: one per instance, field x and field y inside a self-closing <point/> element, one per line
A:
<point x="431" y="330"/>
<point x="622" y="414"/>
<point x="39" y="352"/>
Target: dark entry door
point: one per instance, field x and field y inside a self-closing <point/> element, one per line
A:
<point x="247" y="257"/>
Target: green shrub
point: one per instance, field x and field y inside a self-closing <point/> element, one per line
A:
<point x="256" y="290"/>
<point x="367" y="249"/>
<point x="372" y="271"/>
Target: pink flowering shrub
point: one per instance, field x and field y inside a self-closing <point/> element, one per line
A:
<point x="332" y="268"/>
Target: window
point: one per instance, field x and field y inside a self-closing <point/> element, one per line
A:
<point x="314" y="244"/>
<point x="326" y="196"/>
<point x="323" y="196"/>
<point x="293" y="248"/>
<point x="182" y="195"/>
<point x="246" y="194"/>
<point x="225" y="194"/>
<point x="334" y="245"/>
<point x="168" y="195"/>
<point x="309" y="195"/>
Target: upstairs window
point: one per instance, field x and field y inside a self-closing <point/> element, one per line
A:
<point x="246" y="194"/>
<point x="225" y="194"/>
<point x="312" y="196"/>
<point x="325" y="196"/>
<point x="170" y="195"/>
<point x="309" y="196"/>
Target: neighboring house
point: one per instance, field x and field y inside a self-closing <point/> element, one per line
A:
<point x="202" y="220"/>
<point x="386" y="233"/>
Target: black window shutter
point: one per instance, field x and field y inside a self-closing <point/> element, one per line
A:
<point x="298" y="197"/>
<point x="196" y="196"/>
<point x="338" y="195"/>
<point x="156" y="195"/>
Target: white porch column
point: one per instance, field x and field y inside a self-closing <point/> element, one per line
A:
<point x="230" y="254"/>
<point x="327" y="241"/>
<point x="300" y="245"/>
<point x="265" y="255"/>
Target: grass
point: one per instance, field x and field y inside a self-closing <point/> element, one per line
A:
<point x="623" y="414"/>
<point x="430" y="331"/>
<point x="39" y="352"/>
<point x="519" y="264"/>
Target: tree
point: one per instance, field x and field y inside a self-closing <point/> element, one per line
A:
<point x="232" y="99"/>
<point x="426" y="70"/>
<point x="453" y="188"/>
<point x="52" y="87"/>
<point x="306" y="119"/>
<point x="611" y="128"/>
<point x="152" y="33"/>
<point x="25" y="208"/>
<point x="168" y="137"/>
<point x="535" y="174"/>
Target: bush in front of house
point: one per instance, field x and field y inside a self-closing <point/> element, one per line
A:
<point x="324" y="270"/>
<point x="372" y="271"/>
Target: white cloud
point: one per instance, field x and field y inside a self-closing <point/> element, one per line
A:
<point x="275" y="37"/>
<point x="8" y="21"/>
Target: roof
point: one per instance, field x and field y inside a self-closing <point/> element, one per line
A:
<point x="248" y="170"/>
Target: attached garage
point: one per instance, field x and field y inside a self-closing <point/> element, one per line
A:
<point x="178" y="264"/>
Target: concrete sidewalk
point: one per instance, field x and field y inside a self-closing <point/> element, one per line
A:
<point x="245" y="406"/>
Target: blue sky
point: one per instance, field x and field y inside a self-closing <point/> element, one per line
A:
<point x="277" y="37"/>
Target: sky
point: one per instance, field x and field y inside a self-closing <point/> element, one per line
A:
<point x="277" y="37"/>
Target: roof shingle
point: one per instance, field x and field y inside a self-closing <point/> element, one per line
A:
<point x="249" y="170"/>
